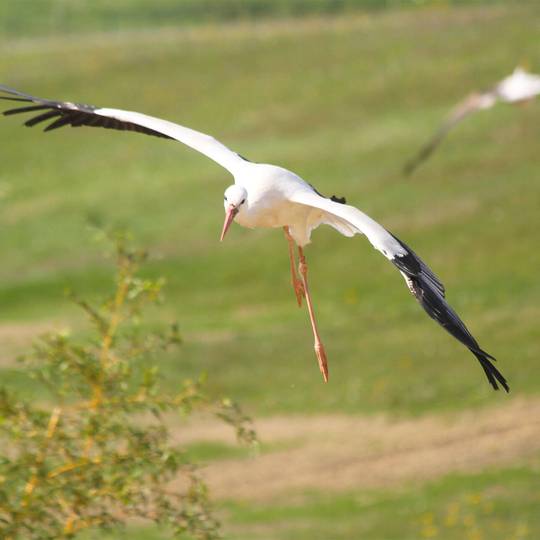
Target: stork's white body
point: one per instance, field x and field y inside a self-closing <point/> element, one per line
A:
<point x="269" y="203"/>
<point x="278" y="197"/>
<point x="519" y="86"/>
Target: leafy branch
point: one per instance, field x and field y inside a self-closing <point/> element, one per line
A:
<point x="100" y="453"/>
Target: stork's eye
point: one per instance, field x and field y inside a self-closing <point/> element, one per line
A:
<point x="243" y="201"/>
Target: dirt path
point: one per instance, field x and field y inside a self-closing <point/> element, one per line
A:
<point x="341" y="452"/>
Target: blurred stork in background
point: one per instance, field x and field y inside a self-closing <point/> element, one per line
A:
<point x="519" y="87"/>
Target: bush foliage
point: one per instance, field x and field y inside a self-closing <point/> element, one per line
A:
<point x="99" y="453"/>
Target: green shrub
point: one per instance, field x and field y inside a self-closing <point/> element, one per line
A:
<point x="99" y="453"/>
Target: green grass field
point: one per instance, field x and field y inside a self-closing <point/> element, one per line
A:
<point x="51" y="17"/>
<point x="343" y="102"/>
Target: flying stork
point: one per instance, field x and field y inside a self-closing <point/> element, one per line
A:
<point x="269" y="196"/>
<point x="519" y="87"/>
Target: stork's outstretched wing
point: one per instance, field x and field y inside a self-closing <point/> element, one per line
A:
<point x="422" y="282"/>
<point x="63" y="113"/>
<point x="469" y="105"/>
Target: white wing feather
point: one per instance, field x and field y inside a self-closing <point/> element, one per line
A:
<point x="205" y="144"/>
<point x="379" y="237"/>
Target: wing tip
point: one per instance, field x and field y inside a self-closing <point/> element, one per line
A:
<point x="429" y="292"/>
<point x="493" y="375"/>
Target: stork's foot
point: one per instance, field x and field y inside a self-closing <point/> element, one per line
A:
<point x="323" y="361"/>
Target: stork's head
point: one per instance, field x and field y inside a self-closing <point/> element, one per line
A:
<point x="235" y="197"/>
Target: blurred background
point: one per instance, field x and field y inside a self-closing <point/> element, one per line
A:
<point x="407" y="440"/>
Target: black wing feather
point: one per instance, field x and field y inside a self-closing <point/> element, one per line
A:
<point x="72" y="114"/>
<point x="429" y="292"/>
<point x="9" y="98"/>
<point x="41" y="118"/>
<point x="25" y="109"/>
<point x="416" y="264"/>
<point x="62" y="121"/>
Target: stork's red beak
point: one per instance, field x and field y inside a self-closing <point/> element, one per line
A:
<point x="229" y="216"/>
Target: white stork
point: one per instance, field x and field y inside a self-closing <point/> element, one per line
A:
<point x="519" y="87"/>
<point x="269" y="196"/>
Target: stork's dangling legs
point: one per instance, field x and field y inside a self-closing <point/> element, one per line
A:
<point x="301" y="290"/>
<point x="296" y="282"/>
<point x="319" y="347"/>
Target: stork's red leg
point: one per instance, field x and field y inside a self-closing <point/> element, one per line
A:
<point x="319" y="347"/>
<point x="296" y="282"/>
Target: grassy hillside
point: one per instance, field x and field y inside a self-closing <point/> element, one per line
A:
<point x="51" y="17"/>
<point x="499" y="505"/>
